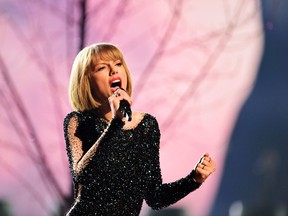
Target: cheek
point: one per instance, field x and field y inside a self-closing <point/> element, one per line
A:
<point x="100" y="88"/>
<point x="125" y="80"/>
<point x="98" y="80"/>
<point x="97" y="86"/>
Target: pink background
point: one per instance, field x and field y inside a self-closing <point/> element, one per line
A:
<point x="193" y="65"/>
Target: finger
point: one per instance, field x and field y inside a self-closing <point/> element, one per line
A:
<point x="207" y="157"/>
<point x="200" y="166"/>
<point x="114" y="101"/>
<point x="201" y="175"/>
<point x="124" y="95"/>
<point x="210" y="162"/>
<point x="206" y="161"/>
<point x="209" y="167"/>
<point x="120" y="94"/>
<point x="206" y="165"/>
<point x="206" y="154"/>
<point x="199" y="163"/>
<point x="204" y="171"/>
<point x="117" y="92"/>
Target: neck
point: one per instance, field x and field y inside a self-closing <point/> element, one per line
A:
<point x="108" y="116"/>
<point x="104" y="111"/>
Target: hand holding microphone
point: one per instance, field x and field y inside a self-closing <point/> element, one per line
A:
<point x="120" y="102"/>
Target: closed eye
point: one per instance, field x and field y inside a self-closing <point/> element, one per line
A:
<point x="100" y="69"/>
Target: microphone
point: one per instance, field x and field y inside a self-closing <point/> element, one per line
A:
<point x="125" y="109"/>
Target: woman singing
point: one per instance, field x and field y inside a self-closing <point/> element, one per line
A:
<point x="114" y="152"/>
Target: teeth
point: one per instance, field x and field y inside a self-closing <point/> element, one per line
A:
<point x="116" y="83"/>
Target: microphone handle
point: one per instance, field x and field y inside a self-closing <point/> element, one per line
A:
<point x="125" y="109"/>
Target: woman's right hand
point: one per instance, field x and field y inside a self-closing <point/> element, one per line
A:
<point x="114" y="101"/>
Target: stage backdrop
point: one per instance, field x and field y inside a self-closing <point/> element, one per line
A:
<point x="193" y="65"/>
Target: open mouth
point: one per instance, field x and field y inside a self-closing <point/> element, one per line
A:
<point x="116" y="83"/>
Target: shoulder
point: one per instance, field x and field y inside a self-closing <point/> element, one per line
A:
<point x="77" y="118"/>
<point x="71" y="120"/>
<point x="143" y="118"/>
<point x="151" y="119"/>
<point x="84" y="125"/>
<point x="150" y="124"/>
<point x="73" y="116"/>
<point x="150" y="128"/>
<point x="80" y="116"/>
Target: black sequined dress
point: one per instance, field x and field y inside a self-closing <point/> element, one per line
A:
<point x="115" y="174"/>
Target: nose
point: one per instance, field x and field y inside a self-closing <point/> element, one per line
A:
<point x="113" y="71"/>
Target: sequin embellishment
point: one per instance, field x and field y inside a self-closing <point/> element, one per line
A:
<point x="116" y="176"/>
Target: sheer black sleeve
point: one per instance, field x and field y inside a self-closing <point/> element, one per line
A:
<point x="159" y="195"/>
<point x="82" y="136"/>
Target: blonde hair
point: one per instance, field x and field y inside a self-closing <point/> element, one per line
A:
<point x="80" y="91"/>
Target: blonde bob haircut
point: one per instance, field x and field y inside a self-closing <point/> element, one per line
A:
<point x="80" y="91"/>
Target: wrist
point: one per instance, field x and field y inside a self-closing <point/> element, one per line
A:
<point x="195" y="178"/>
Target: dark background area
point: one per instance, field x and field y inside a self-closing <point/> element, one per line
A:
<point x="255" y="180"/>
